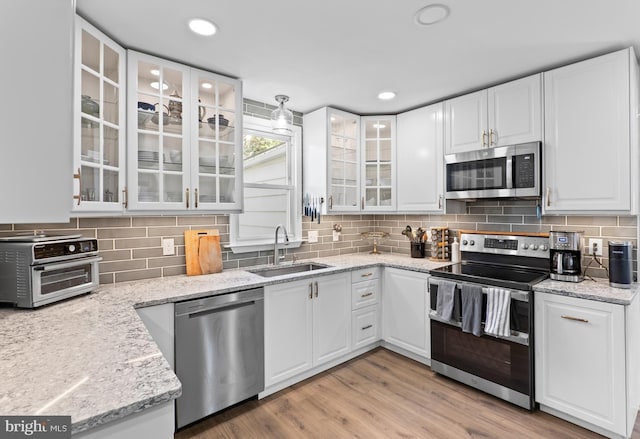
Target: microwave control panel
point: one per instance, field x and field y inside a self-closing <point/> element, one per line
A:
<point x="524" y="169"/>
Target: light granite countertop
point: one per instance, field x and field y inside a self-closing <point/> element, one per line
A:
<point x="597" y="289"/>
<point x="92" y="358"/>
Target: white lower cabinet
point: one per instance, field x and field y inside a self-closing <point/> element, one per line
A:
<point x="584" y="368"/>
<point x="405" y="307"/>
<point x="365" y="326"/>
<point x="307" y="323"/>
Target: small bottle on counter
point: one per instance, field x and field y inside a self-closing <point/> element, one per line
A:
<point x="455" y="250"/>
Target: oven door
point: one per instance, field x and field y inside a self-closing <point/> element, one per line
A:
<point x="501" y="366"/>
<point x="57" y="281"/>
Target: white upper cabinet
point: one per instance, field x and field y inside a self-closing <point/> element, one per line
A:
<point x="37" y="118"/>
<point x="420" y="180"/>
<point x="99" y="122"/>
<point x="590" y="123"/>
<point x="378" y="163"/>
<point x="506" y="114"/>
<point x="184" y="137"/>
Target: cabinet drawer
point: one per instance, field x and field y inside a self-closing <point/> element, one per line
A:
<point x="365" y="293"/>
<point x="365" y="274"/>
<point x="365" y="326"/>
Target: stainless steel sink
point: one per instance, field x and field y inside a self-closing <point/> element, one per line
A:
<point x="287" y="269"/>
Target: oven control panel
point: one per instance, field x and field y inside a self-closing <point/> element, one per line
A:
<point x="57" y="249"/>
<point x="517" y="245"/>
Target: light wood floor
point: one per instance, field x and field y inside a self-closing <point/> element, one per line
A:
<point x="382" y="395"/>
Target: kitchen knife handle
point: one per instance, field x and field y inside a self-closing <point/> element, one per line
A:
<point x="187" y="198"/>
<point x="575" y="319"/>
<point x="78" y="175"/>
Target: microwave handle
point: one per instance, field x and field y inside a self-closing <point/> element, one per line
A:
<point x="511" y="178"/>
<point x="70" y="264"/>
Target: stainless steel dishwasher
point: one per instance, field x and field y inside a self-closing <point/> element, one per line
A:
<point x="219" y="352"/>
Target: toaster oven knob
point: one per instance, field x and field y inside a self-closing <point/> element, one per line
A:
<point x="525" y="246"/>
<point x="543" y="248"/>
<point x="534" y="247"/>
<point x="472" y="242"/>
<point x="465" y="242"/>
<point x="71" y="248"/>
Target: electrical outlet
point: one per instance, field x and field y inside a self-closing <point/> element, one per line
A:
<point x="168" y="247"/>
<point x="597" y="243"/>
<point x="312" y="236"/>
<point x="336" y="236"/>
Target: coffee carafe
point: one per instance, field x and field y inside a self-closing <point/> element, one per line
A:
<point x="565" y="257"/>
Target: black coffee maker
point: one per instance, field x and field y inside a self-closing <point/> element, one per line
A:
<point x="565" y="256"/>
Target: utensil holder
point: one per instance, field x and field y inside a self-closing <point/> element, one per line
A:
<point x="417" y="249"/>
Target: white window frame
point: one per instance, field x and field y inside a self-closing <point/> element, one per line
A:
<point x="294" y="222"/>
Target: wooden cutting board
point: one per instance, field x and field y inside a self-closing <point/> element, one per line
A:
<point x="202" y="251"/>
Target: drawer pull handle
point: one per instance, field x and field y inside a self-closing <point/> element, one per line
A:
<point x="575" y="319"/>
<point x="366" y="294"/>
<point x="364" y="328"/>
<point x="366" y="275"/>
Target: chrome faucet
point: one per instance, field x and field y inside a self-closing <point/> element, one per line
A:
<point x="276" y="251"/>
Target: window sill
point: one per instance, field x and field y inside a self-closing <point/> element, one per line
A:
<point x="247" y="247"/>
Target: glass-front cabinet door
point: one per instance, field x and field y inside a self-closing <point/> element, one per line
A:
<point x="215" y="167"/>
<point x="344" y="165"/>
<point x="183" y="140"/>
<point x="158" y="134"/>
<point x="99" y="136"/>
<point x="378" y="153"/>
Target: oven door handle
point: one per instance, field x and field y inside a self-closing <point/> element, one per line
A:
<point x="518" y="295"/>
<point x="69" y="264"/>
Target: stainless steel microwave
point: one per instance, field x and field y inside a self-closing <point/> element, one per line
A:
<point x="505" y="171"/>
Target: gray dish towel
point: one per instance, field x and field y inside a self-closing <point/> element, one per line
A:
<point x="472" y="309"/>
<point x="444" y="301"/>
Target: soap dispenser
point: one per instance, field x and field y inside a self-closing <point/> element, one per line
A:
<point x="455" y="250"/>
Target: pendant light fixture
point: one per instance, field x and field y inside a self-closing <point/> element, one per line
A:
<point x="282" y="118"/>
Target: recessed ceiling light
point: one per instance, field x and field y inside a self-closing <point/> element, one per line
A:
<point x="386" y="95"/>
<point x="155" y="72"/>
<point x="156" y="85"/>
<point x="431" y="14"/>
<point x="202" y="27"/>
<point x="207" y="85"/>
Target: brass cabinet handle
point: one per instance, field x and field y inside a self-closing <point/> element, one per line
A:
<point x="187" y="198"/>
<point x="78" y="175"/>
<point x="315" y="285"/>
<point x="575" y="319"/>
<point x="491" y="133"/>
<point x="196" y="197"/>
<point x="364" y="328"/>
<point x="439" y="201"/>
<point x="366" y="294"/>
<point x="366" y="275"/>
<point x="311" y="291"/>
<point x="548" y="193"/>
<point x="484" y="134"/>
<point x="125" y="197"/>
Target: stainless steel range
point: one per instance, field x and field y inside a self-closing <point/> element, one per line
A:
<point x="482" y="313"/>
<point x="39" y="269"/>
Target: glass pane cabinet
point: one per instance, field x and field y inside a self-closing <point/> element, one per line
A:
<point x="183" y="142"/>
<point x="344" y="167"/>
<point x="378" y="153"/>
<point x="99" y="108"/>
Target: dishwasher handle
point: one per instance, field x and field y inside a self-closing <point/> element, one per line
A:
<point x="223" y="308"/>
<point x="220" y="302"/>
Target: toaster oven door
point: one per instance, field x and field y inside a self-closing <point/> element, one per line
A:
<point x="58" y="281"/>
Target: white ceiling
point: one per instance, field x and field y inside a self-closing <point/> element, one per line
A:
<point x="343" y="52"/>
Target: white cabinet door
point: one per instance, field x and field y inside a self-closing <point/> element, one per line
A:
<point x="343" y="161"/>
<point x="378" y="151"/>
<point x="288" y="316"/>
<point x="515" y="111"/>
<point x="580" y="359"/>
<point x="466" y="122"/>
<point x="405" y="303"/>
<point x="587" y="114"/>
<point x="331" y="317"/>
<point x="36" y="117"/>
<point x="99" y="122"/>
<point x="420" y="181"/>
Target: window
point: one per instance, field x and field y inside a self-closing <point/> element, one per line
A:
<point x="272" y="180"/>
